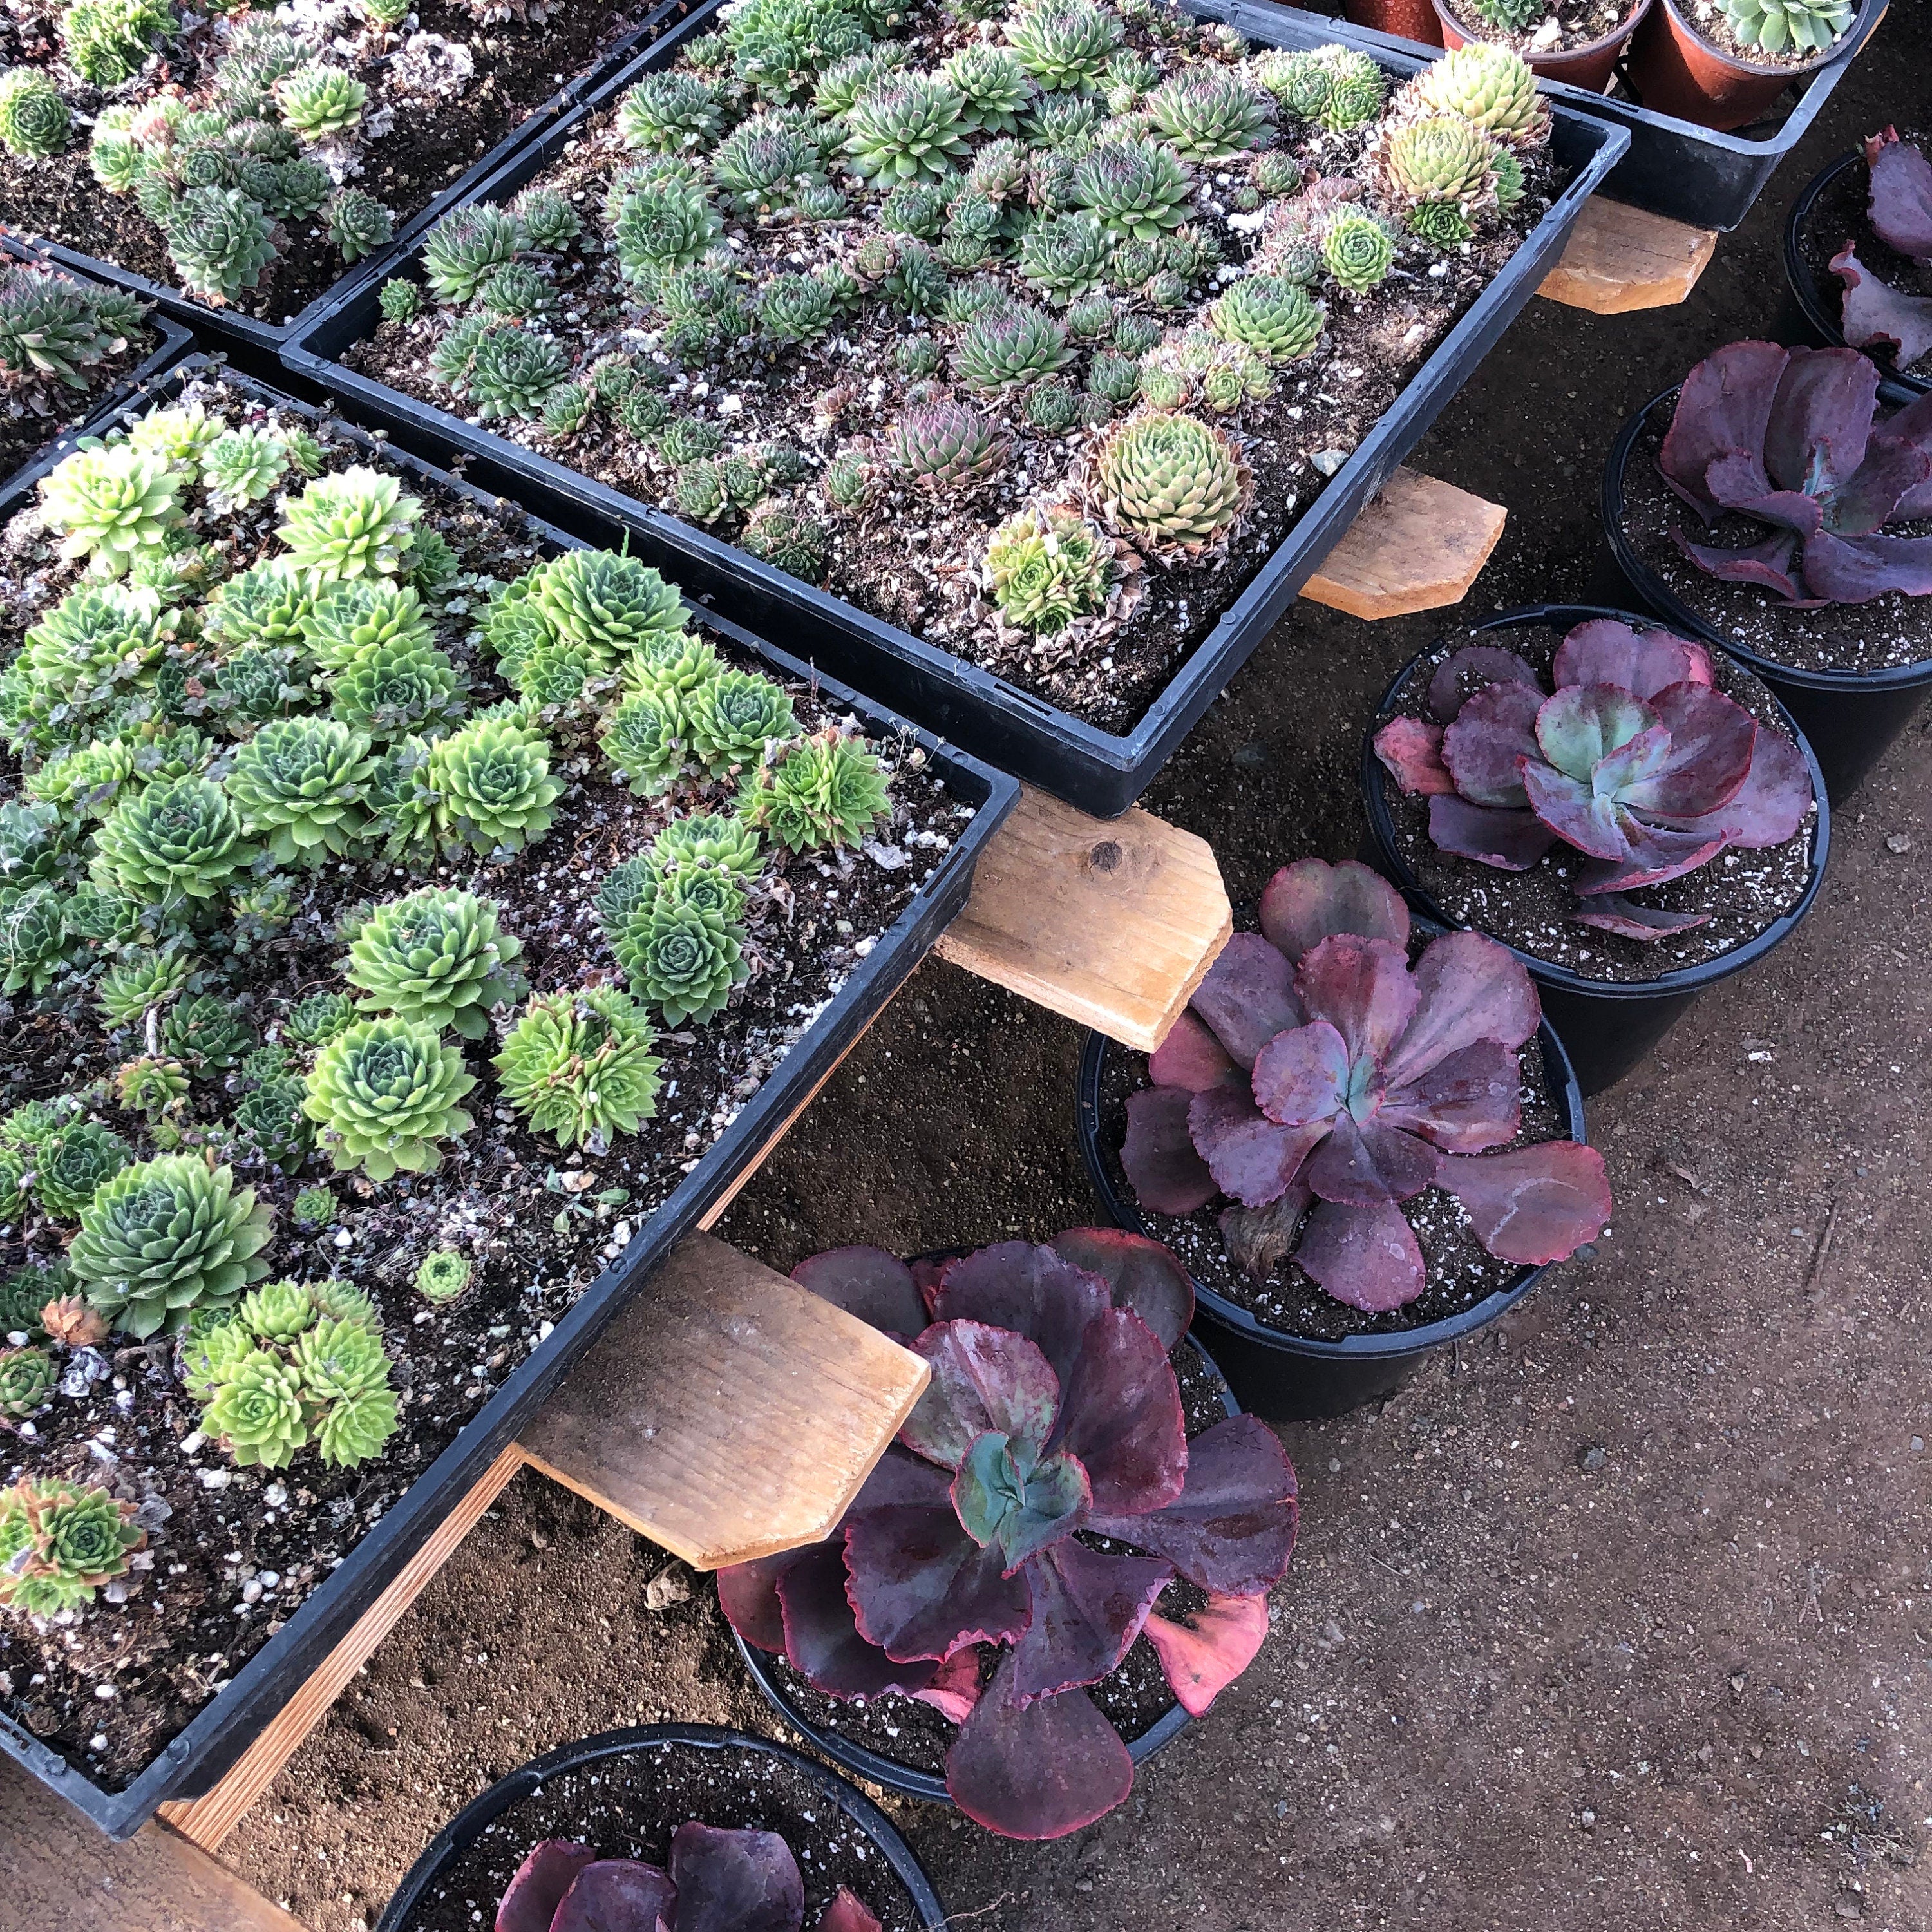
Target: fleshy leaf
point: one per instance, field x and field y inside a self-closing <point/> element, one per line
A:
<point x="1574" y="811"/>
<point x="921" y="1587"/>
<point x="1203" y="1655"/>
<point x="1246" y="997"/>
<point x="1869" y="499"/>
<point x="1900" y="198"/>
<point x="1472" y="989"/>
<point x="1311" y="901"/>
<point x="1613" y="912"/>
<point x="1362" y="989"/>
<point x="1710" y="753"/>
<point x="821" y="1635"/>
<point x="1158" y="1157"/>
<point x="1485" y="747"/>
<point x="1636" y="762"/>
<point x="1820" y="419"/>
<point x="1411" y="749"/>
<point x="1145" y="1276"/>
<point x="848" y="1912"/>
<point x="877" y="1287"/>
<point x="1027" y="1287"/>
<point x="1463" y="672"/>
<point x="1039" y="1770"/>
<point x="1365" y="1256"/>
<point x="1770" y="806"/>
<point x="1302" y="1076"/>
<point x="1190" y="1056"/>
<point x="1122" y="1417"/>
<point x="1605" y="650"/>
<point x="1533" y="1204"/>
<point x="1910" y="428"/>
<point x="1232" y="1532"/>
<point x="982" y="1378"/>
<point x="1010" y="1502"/>
<point x="626" y="1895"/>
<point x="1739" y="482"/>
<point x="1767" y="564"/>
<point x="1369" y="1163"/>
<point x="1466" y="1102"/>
<point x="748" y="1593"/>
<point x="1583" y="723"/>
<point x="1724" y="405"/>
<point x="1875" y="315"/>
<point x="1259" y="1239"/>
<point x="1512" y="841"/>
<point x="1656" y="855"/>
<point x="1250" y="1156"/>
<point x="955" y="1688"/>
<point x="1854" y="570"/>
<point x="548" y="1870"/>
<point x="1087" y="1608"/>
<point x="735" y="1881"/>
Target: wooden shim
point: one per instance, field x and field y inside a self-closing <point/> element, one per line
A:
<point x="1620" y="258"/>
<point x="1112" y="922"/>
<point x="206" y="1821"/>
<point x="726" y="1413"/>
<point x="1417" y="546"/>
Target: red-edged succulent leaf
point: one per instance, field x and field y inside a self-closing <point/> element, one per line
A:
<point x="1709" y="756"/>
<point x="1612" y="912"/>
<point x="1191" y="1057"/>
<point x="1122" y="1417"/>
<point x="1311" y="901"/>
<point x="1365" y="1162"/>
<point x="1463" y="672"/>
<point x="1302" y="1076"/>
<point x="1087" y="1608"/>
<point x="1410" y="750"/>
<point x="1466" y="1102"/>
<point x="983" y="1379"/>
<point x="627" y="1895"/>
<point x="1578" y="814"/>
<point x="1854" y="570"/>
<point x="1231" y="1531"/>
<point x="1471" y="989"/>
<point x="1203" y="1654"/>
<point x="1246" y="997"/>
<point x="1006" y="1500"/>
<point x="877" y="1287"/>
<point x="1512" y="841"/>
<point x="1655" y="855"/>
<point x="1583" y="723"/>
<point x="547" y="1872"/>
<point x="921" y="1587"/>
<point x="1259" y="1239"/>
<point x="1248" y="1154"/>
<point x="1484" y="748"/>
<point x="1724" y="406"/>
<point x="1820" y="419"/>
<point x="1767" y="564"/>
<point x="955" y="1688"/>
<point x="1533" y="1204"/>
<point x="1146" y="1277"/>
<point x="1026" y="1287"/>
<point x="1158" y="1156"/>
<point x="1910" y="428"/>
<point x="848" y="1912"/>
<point x="1605" y="650"/>
<point x="1366" y="1257"/>
<point x="748" y="1593"/>
<point x="1900" y="198"/>
<point x="928" y="1272"/>
<point x="821" y="1634"/>
<point x="1039" y="1770"/>
<point x="1362" y="989"/>
<point x="735" y="1881"/>
<point x="1770" y="806"/>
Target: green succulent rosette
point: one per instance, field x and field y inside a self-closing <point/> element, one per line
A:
<point x="60" y="1541"/>
<point x="384" y="1093"/>
<point x="436" y="955"/>
<point x="578" y="1065"/>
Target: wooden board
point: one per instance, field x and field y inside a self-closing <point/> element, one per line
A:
<point x="1621" y="258"/>
<point x="1417" y="546"/>
<point x="762" y="1410"/>
<point x="1112" y="923"/>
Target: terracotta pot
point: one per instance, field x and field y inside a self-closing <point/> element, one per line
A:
<point x="1675" y="71"/>
<point x="1587" y="67"/>
<point x="1410" y="19"/>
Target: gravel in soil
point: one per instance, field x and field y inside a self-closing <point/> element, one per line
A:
<point x="1560" y="28"/>
<point x="1708" y="21"/>
<point x="1841" y="215"/>
<point x="1740" y="894"/>
<point x="1879" y="635"/>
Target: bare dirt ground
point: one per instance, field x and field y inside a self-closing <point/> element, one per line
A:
<point x="1621" y="1621"/>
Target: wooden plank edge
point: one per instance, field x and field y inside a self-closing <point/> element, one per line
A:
<point x="1379" y="570"/>
<point x="1620" y="260"/>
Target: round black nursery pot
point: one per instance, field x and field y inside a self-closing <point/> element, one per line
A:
<point x="1849" y="718"/>
<point x="1607" y="1026"/>
<point x="443" y="1852"/>
<point x="1280" y="1376"/>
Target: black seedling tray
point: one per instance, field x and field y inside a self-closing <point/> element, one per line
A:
<point x="195" y="1758"/>
<point x="228" y="325"/>
<point x="1675" y="167"/>
<point x="1100" y="771"/>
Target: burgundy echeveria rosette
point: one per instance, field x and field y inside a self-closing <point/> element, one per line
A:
<point x="1321" y="1082"/>
<point x="1875" y="315"/>
<point x="1053" y="1411"/>
<point x="1634" y="761"/>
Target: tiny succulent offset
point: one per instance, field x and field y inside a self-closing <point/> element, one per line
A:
<point x="1318" y="1081"/>
<point x="965" y="1574"/>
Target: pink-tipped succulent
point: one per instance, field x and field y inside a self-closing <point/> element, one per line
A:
<point x="717" y="1881"/>
<point x="1875" y="315"/>
<point x="1321" y="1082"/>
<point x="1053" y="1417"/>
<point x="1635" y="761"/>
<point x="1786" y="436"/>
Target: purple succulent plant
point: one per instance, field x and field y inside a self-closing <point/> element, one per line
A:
<point x="1321" y="1082"/>
<point x="1635" y="760"/>
<point x="718" y="1881"/>
<point x="1875" y="315"/>
<point x="1053" y="1417"/>
<point x="1901" y="202"/>
<point x="1786" y="436"/>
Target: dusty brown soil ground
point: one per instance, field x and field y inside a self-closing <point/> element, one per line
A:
<point x="1623" y="1622"/>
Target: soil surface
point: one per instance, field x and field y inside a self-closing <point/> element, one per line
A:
<point x="1560" y="27"/>
<point x="1619" y="1618"/>
<point x="1840" y="215"/>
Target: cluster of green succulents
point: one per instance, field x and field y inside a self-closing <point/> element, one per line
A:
<point x="60" y="1541"/>
<point x="578" y="1065"/>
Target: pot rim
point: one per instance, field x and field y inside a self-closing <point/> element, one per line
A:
<point x="1841" y="49"/>
<point x="1615" y="37"/>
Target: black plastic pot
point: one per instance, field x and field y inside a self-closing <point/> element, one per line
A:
<point x="1674" y="167"/>
<point x="1607" y="1026"/>
<point x="193" y="1761"/>
<point x="469" y="1824"/>
<point x="1823" y="306"/>
<point x="228" y="326"/>
<point x="1100" y="771"/>
<point x="1290" y="1378"/>
<point x="902" y="1780"/>
<point x="1849" y="717"/>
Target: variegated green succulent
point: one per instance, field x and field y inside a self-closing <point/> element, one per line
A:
<point x="60" y="1541"/>
<point x="357" y="523"/>
<point x="1170" y="481"/>
<point x="111" y="501"/>
<point x="1047" y="566"/>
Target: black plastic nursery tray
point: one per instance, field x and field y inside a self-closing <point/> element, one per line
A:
<point x="1098" y="770"/>
<point x="230" y="325"/>
<point x="196" y="1757"/>
<point x="1674" y="167"/>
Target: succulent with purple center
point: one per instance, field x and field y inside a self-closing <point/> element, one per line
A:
<point x="1053" y="1411"/>
<point x="943" y="444"/>
<point x="1790" y="437"/>
<point x="1636" y="762"/>
<point x="1321" y="1081"/>
<point x="1875" y="314"/>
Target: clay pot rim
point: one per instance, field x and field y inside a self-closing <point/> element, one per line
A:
<point x="1841" y="48"/>
<point x="1615" y="37"/>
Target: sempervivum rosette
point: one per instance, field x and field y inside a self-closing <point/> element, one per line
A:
<point x="1173" y="485"/>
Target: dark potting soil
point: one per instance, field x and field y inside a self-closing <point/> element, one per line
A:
<point x="1134" y="1698"/>
<point x="1887" y="632"/>
<point x="1561" y="27"/>
<point x="233" y="1552"/>
<point x="629" y="1805"/>
<point x="518" y="64"/>
<point x="1461" y="1271"/>
<point x="1742" y="892"/>
<point x="25" y="432"/>
<point x="915" y="561"/>
<point x="1841" y="215"/>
